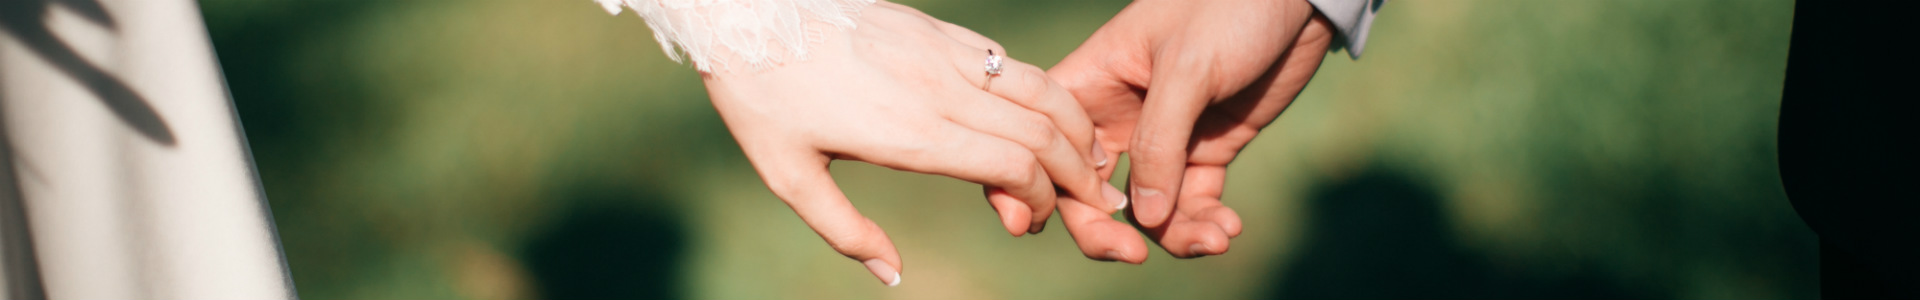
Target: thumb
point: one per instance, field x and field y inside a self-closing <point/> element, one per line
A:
<point x="1175" y="98"/>
<point x="805" y="186"/>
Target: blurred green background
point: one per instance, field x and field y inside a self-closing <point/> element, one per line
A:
<point x="1500" y="148"/>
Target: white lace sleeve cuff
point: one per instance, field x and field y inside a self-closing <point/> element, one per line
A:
<point x="717" y="34"/>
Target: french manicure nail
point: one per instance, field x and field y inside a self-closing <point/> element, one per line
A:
<point x="883" y="271"/>
<point x="1099" y="154"/>
<point x="1115" y="197"/>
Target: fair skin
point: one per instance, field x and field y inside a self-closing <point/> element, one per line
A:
<point x="1182" y="87"/>
<point x="908" y="92"/>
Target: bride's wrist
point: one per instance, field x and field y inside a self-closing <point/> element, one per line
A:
<point x="770" y="83"/>
<point x="720" y="36"/>
<point x="830" y="49"/>
<point x="822" y="37"/>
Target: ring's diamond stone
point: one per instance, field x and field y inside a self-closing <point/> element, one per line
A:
<point x="993" y="64"/>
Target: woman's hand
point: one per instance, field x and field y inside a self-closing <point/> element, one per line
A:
<point x="906" y="91"/>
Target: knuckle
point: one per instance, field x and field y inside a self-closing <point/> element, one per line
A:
<point x="850" y="249"/>
<point x="852" y="243"/>
<point x="1017" y="172"/>
<point x="1031" y="83"/>
<point x="1144" y="149"/>
<point x="785" y="186"/>
<point x="1036" y="132"/>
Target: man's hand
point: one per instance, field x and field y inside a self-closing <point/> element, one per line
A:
<point x="1183" y="86"/>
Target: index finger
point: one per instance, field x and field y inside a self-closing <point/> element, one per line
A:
<point x="804" y="184"/>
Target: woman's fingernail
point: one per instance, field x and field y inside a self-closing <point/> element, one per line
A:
<point x="1099" y="154"/>
<point x="1115" y="197"/>
<point x="883" y="271"/>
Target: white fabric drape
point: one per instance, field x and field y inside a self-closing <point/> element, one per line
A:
<point x="123" y="155"/>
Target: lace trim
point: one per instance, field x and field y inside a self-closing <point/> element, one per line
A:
<point x="718" y="33"/>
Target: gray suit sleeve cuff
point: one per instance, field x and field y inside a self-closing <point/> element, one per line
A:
<point x="1351" y="19"/>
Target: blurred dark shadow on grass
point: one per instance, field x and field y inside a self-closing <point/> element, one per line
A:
<point x="1382" y="234"/>
<point x="605" y="248"/>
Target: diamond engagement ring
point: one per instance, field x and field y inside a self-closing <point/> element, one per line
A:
<point x="993" y="69"/>
<point x="993" y="64"/>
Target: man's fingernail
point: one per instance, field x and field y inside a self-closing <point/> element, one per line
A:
<point x="1114" y="255"/>
<point x="1099" y="154"/>
<point x="1007" y="219"/>
<point x="1152" y="205"/>
<point x="1199" y="250"/>
<point x="1115" y="196"/>
<point x="885" y="272"/>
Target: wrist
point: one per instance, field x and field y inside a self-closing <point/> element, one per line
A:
<point x="728" y="35"/>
